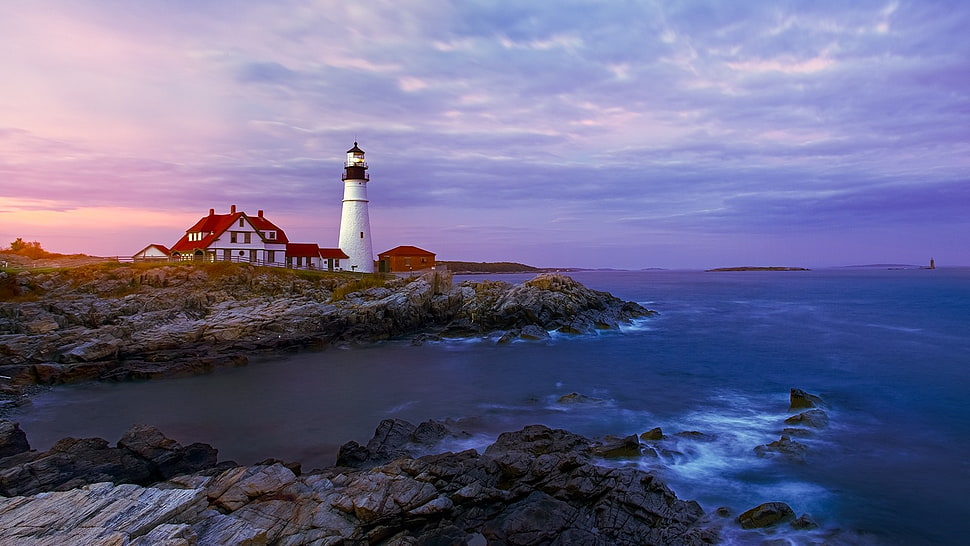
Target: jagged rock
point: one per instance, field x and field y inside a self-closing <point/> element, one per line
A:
<point x="804" y="522"/>
<point x="814" y="418"/>
<point x="395" y="438"/>
<point x="143" y="456"/>
<point x="533" y="332"/>
<point x="507" y="337"/>
<point x="800" y="399"/>
<point x="653" y="434"/>
<point x="12" y="439"/>
<point x="766" y="515"/>
<point x="784" y="446"/>
<point x="168" y="457"/>
<point x="613" y="447"/>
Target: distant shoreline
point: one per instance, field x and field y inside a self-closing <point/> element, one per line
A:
<point x="755" y="268"/>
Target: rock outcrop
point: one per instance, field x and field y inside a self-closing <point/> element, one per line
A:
<point x="129" y="322"/>
<point x="143" y="456"/>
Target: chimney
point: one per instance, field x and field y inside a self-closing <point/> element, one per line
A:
<point x="232" y="209"/>
<point x="259" y="213"/>
<point x="212" y="212"/>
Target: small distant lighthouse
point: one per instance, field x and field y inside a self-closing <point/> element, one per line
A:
<point x="354" y="221"/>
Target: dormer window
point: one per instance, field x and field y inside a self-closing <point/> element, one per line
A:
<point x="271" y="235"/>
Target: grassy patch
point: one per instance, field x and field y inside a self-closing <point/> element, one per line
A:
<point x="368" y="281"/>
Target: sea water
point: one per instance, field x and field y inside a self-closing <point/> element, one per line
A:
<point x="887" y="350"/>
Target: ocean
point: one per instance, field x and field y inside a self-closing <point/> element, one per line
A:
<point x="887" y="350"/>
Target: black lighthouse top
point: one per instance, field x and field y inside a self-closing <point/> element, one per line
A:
<point x="355" y="168"/>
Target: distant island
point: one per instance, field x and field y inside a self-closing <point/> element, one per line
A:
<point x="467" y="268"/>
<point x="755" y="268"/>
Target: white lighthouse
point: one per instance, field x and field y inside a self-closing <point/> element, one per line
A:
<point x="354" y="221"/>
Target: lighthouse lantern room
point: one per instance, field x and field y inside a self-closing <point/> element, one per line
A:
<point x="355" y="240"/>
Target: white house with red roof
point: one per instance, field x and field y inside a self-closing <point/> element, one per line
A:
<point x="152" y="253"/>
<point x="240" y="237"/>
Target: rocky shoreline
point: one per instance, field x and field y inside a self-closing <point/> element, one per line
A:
<point x="128" y="322"/>
<point x="533" y="486"/>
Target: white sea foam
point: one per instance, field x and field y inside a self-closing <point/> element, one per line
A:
<point x="401" y="407"/>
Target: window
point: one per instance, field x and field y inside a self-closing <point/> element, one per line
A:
<point x="271" y="256"/>
<point x="247" y="237"/>
<point x="361" y="234"/>
<point x="271" y="235"/>
<point x="242" y="222"/>
<point x="233" y="236"/>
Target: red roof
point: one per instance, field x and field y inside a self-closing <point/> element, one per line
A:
<point x="302" y="250"/>
<point x="164" y="249"/>
<point x="214" y="225"/>
<point x="333" y="253"/>
<point x="311" y="250"/>
<point x="406" y="250"/>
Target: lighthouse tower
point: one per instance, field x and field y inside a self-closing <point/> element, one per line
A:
<point x="354" y="222"/>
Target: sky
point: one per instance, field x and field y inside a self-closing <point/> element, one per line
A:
<point x="567" y="133"/>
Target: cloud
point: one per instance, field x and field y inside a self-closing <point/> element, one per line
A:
<point x="579" y="122"/>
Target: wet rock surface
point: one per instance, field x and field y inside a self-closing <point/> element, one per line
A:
<point x="128" y="322"/>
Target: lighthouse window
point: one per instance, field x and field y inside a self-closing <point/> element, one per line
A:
<point x="361" y="234"/>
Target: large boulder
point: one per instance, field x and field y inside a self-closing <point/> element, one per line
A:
<point x="395" y="438"/>
<point x="12" y="439"/>
<point x="799" y="399"/>
<point x="814" y="418"/>
<point x="167" y="457"/>
<point x="786" y="447"/>
<point x="766" y="515"/>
